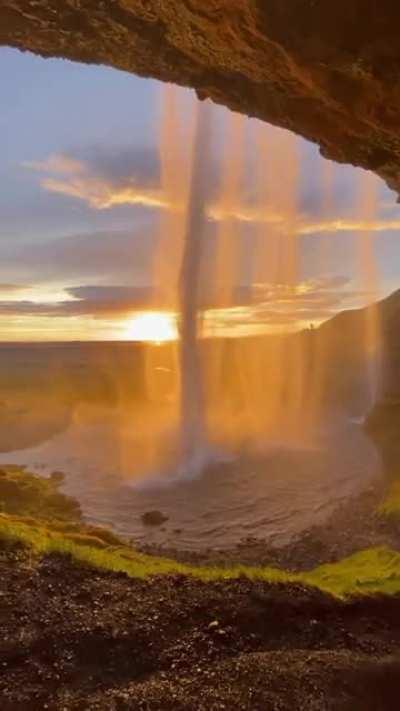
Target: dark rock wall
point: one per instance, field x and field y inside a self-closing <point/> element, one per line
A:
<point x="327" y="70"/>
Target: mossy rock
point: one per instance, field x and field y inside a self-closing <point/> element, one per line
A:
<point x="154" y="518"/>
<point x="105" y="535"/>
<point x="10" y="491"/>
<point x="30" y="500"/>
<point x="82" y="539"/>
<point x="25" y="494"/>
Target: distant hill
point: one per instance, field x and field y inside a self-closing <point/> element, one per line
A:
<point x="343" y="338"/>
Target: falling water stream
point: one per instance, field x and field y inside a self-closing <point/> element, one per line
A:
<point x="192" y="412"/>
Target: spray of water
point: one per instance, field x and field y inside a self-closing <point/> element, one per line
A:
<point x="367" y="208"/>
<point x="264" y="393"/>
<point x="234" y="394"/>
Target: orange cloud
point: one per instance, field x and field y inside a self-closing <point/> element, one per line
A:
<point x="301" y="225"/>
<point x="103" y="186"/>
<point x="101" y="195"/>
<point x="58" y="163"/>
<point x="78" y="179"/>
<point x="341" y="225"/>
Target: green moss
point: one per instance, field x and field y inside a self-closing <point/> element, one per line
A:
<point x="37" y="502"/>
<point x="372" y="571"/>
<point x="43" y="540"/>
<point x="391" y="503"/>
<point x="25" y="494"/>
<point x="83" y="539"/>
<point x="36" y="515"/>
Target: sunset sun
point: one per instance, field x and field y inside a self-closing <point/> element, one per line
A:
<point x="154" y="326"/>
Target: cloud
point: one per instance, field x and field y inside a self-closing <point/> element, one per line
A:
<point x="108" y="293"/>
<point x="110" y="275"/>
<point x="12" y="288"/>
<point x="262" y="306"/>
<point x="266" y="306"/>
<point x="104" y="178"/>
<point x="24" y="308"/>
<point x="97" y="302"/>
<point x="301" y="225"/>
<point x="114" y="256"/>
<point x="346" y="225"/>
<point x="245" y="321"/>
<point x="58" y="163"/>
<point x="109" y="300"/>
<point x="100" y="195"/>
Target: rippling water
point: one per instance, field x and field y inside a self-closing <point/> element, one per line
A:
<point x="272" y="496"/>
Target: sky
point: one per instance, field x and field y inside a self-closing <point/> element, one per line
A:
<point x="84" y="210"/>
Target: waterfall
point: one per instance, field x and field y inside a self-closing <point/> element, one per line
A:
<point x="229" y="247"/>
<point x="192" y="403"/>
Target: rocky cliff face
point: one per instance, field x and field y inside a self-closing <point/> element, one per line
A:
<point x="326" y="70"/>
<point x="383" y="422"/>
<point x="342" y="340"/>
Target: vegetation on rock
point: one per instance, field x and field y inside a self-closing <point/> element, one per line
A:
<point x="45" y="521"/>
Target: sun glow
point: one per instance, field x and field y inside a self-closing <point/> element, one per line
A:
<point x="152" y="326"/>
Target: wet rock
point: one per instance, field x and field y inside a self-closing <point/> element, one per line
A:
<point x="154" y="518"/>
<point x="213" y="625"/>
<point x="57" y="477"/>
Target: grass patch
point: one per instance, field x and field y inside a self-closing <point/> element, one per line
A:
<point x="36" y="515"/>
<point x="37" y="501"/>
<point x="43" y="540"/>
<point x="372" y="571"/>
<point x="29" y="495"/>
<point x="391" y="503"/>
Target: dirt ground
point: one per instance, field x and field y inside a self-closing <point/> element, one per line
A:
<point x="76" y="638"/>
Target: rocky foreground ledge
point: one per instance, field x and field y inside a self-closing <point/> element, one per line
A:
<point x="329" y="71"/>
<point x="77" y="638"/>
<point x="87" y="622"/>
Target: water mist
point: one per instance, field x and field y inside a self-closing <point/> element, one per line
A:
<point x="367" y="209"/>
<point x="243" y="393"/>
